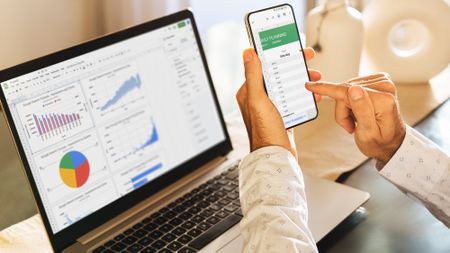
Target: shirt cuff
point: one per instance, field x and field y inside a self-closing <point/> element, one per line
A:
<point x="266" y="152"/>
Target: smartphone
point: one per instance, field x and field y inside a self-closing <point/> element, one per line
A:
<point x="274" y="35"/>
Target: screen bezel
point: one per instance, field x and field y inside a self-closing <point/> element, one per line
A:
<point x="252" y="41"/>
<point x="69" y="235"/>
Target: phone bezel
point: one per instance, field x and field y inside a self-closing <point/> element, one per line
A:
<point x="252" y="42"/>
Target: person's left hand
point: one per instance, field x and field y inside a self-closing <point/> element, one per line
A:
<point x="262" y="120"/>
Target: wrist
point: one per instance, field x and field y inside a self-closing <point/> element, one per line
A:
<point x="390" y="149"/>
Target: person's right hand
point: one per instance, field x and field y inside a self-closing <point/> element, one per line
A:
<point x="367" y="106"/>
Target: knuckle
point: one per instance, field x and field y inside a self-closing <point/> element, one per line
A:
<point x="385" y="74"/>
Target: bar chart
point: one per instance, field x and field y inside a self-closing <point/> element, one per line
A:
<point x="56" y="123"/>
<point x="54" y="116"/>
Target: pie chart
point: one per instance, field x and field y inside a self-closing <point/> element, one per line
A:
<point x="74" y="169"/>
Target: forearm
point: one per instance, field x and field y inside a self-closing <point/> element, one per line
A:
<point x="421" y="169"/>
<point x="273" y="203"/>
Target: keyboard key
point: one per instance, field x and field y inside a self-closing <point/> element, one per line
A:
<point x="214" y="187"/>
<point x="158" y="244"/>
<point x="179" y="209"/>
<point x="206" y="192"/>
<point x="231" y="208"/>
<point x="194" y="232"/>
<point x="197" y="198"/>
<point x="169" y="237"/>
<point x="176" y="221"/>
<point x="185" y="216"/>
<point x="140" y="233"/>
<point x="207" y="212"/>
<point x="160" y="220"/>
<point x="119" y="237"/>
<point x="197" y="218"/>
<point x="128" y="231"/>
<point x="223" y="202"/>
<point x="165" y="251"/>
<point x="145" y="241"/>
<point x="204" y="226"/>
<point x="179" y="200"/>
<point x="129" y="240"/>
<point x="169" y="214"/>
<point x="135" y="248"/>
<point x="213" y="220"/>
<point x="194" y="210"/>
<point x="175" y="246"/>
<point x="99" y="249"/>
<point x="155" y="234"/>
<point x="214" y="232"/>
<point x="232" y="175"/>
<point x="146" y="220"/>
<point x="163" y="210"/>
<point x="228" y="188"/>
<point x="233" y="195"/>
<point x="222" y="214"/>
<point x="138" y="225"/>
<point x="220" y="194"/>
<point x="203" y="186"/>
<point x="118" y="246"/>
<point x="222" y="181"/>
<point x="203" y="204"/>
<point x="109" y="243"/>
<point x="215" y="207"/>
<point x="166" y="227"/>
<point x="155" y="215"/>
<point x="187" y="195"/>
<point x="148" y="250"/>
<point x="212" y="198"/>
<point x="150" y="227"/>
<point x="186" y="250"/>
<point x="189" y="203"/>
<point x="172" y="205"/>
<point x="184" y="239"/>
<point x="179" y="231"/>
<point x="188" y="225"/>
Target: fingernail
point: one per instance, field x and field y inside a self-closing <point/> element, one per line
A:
<point x="356" y="93"/>
<point x="248" y="55"/>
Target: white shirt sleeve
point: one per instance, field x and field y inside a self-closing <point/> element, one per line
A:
<point x="422" y="170"/>
<point x="273" y="202"/>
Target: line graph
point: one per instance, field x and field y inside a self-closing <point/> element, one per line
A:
<point x="115" y="92"/>
<point x="133" y="83"/>
<point x="130" y="139"/>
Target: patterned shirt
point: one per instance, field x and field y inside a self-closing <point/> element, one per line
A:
<point x="274" y="203"/>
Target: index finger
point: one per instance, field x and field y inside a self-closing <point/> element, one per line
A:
<point x="336" y="91"/>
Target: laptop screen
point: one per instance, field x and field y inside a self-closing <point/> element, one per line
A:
<point x="100" y="125"/>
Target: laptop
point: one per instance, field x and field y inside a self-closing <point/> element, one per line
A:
<point x="125" y="147"/>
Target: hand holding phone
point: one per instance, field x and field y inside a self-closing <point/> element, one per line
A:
<point x="262" y="119"/>
<point x="274" y="34"/>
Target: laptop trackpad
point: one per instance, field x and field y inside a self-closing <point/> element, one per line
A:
<point x="234" y="246"/>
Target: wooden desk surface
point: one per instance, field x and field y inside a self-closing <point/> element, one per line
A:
<point x="394" y="222"/>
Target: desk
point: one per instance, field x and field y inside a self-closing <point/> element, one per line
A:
<point x="395" y="223"/>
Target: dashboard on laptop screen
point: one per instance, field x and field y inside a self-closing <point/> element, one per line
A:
<point x="103" y="124"/>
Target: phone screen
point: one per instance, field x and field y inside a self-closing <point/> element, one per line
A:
<point x="275" y="37"/>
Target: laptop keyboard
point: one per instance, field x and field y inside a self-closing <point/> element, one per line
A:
<point x="189" y="223"/>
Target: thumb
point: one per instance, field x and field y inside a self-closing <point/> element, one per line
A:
<point x="253" y="73"/>
<point x="362" y="108"/>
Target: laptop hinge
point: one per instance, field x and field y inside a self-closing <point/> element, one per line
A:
<point x="146" y="206"/>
